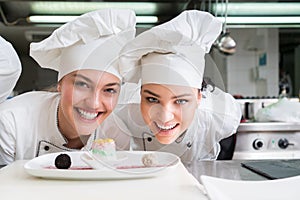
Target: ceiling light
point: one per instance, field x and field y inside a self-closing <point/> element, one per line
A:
<point x="261" y="20"/>
<point x="267" y="22"/>
<point x="77" y="8"/>
<point x="66" y="18"/>
<point x="258" y="8"/>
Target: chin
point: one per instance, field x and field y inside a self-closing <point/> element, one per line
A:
<point x="164" y="140"/>
<point x="86" y="129"/>
<point x="85" y="132"/>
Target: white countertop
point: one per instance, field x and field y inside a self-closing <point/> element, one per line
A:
<point x="15" y="183"/>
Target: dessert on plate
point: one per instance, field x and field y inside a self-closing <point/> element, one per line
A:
<point x="62" y="161"/>
<point x="150" y="160"/>
<point x="104" y="149"/>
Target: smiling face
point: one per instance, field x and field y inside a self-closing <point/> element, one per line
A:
<point x="87" y="98"/>
<point x="168" y="110"/>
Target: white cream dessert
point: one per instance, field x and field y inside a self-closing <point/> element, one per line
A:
<point x="104" y="149"/>
<point x="149" y="160"/>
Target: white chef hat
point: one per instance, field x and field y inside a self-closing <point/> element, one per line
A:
<point x="91" y="41"/>
<point x="171" y="53"/>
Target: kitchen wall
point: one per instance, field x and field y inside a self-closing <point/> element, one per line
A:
<point x="254" y="69"/>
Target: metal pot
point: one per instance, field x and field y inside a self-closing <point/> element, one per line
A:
<point x="225" y="44"/>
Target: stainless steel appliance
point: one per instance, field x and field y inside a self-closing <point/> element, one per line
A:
<point x="251" y="105"/>
<point x="270" y="140"/>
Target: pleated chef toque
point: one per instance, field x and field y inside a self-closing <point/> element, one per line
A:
<point x="91" y="41"/>
<point x="171" y="53"/>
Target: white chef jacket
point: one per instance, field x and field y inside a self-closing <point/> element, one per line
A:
<point x="28" y="128"/>
<point x="10" y="69"/>
<point x="216" y="118"/>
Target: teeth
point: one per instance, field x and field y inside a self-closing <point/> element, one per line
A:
<point x="166" y="127"/>
<point x="87" y="115"/>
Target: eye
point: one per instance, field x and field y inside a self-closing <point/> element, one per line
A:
<point x="152" y="100"/>
<point x="81" y="84"/>
<point x="111" y="90"/>
<point x="181" y="101"/>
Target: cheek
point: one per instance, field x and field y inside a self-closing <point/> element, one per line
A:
<point x="110" y="102"/>
<point x="114" y="102"/>
<point x="74" y="96"/>
<point x="188" y="114"/>
<point x="145" y="111"/>
<point x="67" y="95"/>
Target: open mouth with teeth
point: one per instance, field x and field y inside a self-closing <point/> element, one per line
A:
<point x="166" y="134"/>
<point x="166" y="128"/>
<point x="88" y="115"/>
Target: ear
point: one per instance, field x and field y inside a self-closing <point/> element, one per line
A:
<point x="199" y="97"/>
<point x="58" y="87"/>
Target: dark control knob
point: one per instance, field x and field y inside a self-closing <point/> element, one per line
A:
<point x="284" y="143"/>
<point x="257" y="144"/>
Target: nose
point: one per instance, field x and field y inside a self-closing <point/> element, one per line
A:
<point x="164" y="113"/>
<point x="94" y="100"/>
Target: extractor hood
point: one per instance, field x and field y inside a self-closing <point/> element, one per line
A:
<point x="26" y="13"/>
<point x="16" y="26"/>
<point x="239" y="13"/>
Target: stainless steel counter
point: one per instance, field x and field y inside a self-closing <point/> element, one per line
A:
<point x="229" y="169"/>
<point x="268" y="126"/>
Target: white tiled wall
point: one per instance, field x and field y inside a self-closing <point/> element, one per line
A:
<point x="243" y="74"/>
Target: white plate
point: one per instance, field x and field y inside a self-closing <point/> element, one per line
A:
<point x="130" y="168"/>
<point x="97" y="163"/>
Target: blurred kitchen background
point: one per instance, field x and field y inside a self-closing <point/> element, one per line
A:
<point x="264" y="49"/>
<point x="257" y="56"/>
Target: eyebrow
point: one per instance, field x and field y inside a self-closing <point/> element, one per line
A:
<point x="113" y="84"/>
<point x="83" y="77"/>
<point x="90" y="81"/>
<point x="152" y="93"/>
<point x="174" y="97"/>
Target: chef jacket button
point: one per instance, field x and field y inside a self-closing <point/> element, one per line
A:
<point x="46" y="148"/>
<point x="149" y="139"/>
<point x="189" y="144"/>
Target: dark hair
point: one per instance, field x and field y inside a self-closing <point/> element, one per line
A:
<point x="51" y="88"/>
<point x="207" y="81"/>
